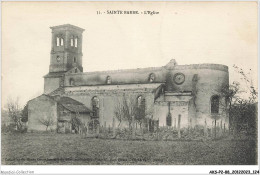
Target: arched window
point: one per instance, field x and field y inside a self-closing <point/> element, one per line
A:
<point x="76" y="42"/>
<point x="95" y="107"/>
<point x="151" y="77"/>
<point x="71" y="42"/>
<point x="61" y="41"/>
<point x="139" y="101"/>
<point x="109" y="81"/>
<point x="72" y="83"/>
<point x="95" y="102"/>
<point x="76" y="70"/>
<point x="58" y="41"/>
<point x="179" y="121"/>
<point x="169" y="116"/>
<point x="74" y="59"/>
<point x="169" y="119"/>
<point x="140" y="107"/>
<point x="215" y="104"/>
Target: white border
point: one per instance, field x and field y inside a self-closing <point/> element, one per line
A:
<point x="133" y="169"/>
<point x="137" y="169"/>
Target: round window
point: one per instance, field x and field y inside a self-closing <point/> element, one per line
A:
<point x="179" y="78"/>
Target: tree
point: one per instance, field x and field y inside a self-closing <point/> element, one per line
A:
<point x="25" y="114"/>
<point x="14" y="112"/>
<point x="79" y="126"/>
<point x="250" y="88"/>
<point x="125" y="109"/>
<point x="241" y="103"/>
<point x="76" y="123"/>
<point x="230" y="93"/>
<point x="119" y="113"/>
<point x="46" y="121"/>
<point x="245" y="108"/>
<point x="141" y="112"/>
<point x="129" y="110"/>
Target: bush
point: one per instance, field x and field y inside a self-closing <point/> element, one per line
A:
<point x="161" y="133"/>
<point x="11" y="128"/>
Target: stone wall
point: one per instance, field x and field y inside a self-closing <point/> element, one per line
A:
<point x="196" y="111"/>
<point x="177" y="109"/>
<point x="65" y="51"/>
<point x="201" y="80"/>
<point x="132" y="76"/>
<point x="108" y="101"/>
<point x="41" y="107"/>
<point x="117" y="77"/>
<point x="210" y="82"/>
<point x="51" y="84"/>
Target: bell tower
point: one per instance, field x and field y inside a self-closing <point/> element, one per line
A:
<point x="66" y="53"/>
<point x="66" y="48"/>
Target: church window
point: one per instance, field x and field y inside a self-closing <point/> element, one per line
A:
<point x="71" y="42"/>
<point x="109" y="81"/>
<point x="151" y="77"/>
<point x="61" y="41"/>
<point x="140" y="107"/>
<point x="76" y="70"/>
<point x="95" y="102"/>
<point x="139" y="101"/>
<point x="215" y="104"/>
<point x="58" y="41"/>
<point x="74" y="59"/>
<point x="76" y="42"/>
<point x="95" y="106"/>
<point x="169" y="119"/>
<point x="169" y="116"/>
<point x="179" y="78"/>
<point x="179" y="121"/>
<point x="72" y="83"/>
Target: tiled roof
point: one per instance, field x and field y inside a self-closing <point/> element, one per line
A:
<point x="68" y="103"/>
<point x="124" y="87"/>
<point x="137" y="76"/>
<point x="67" y="26"/>
<point x="73" y="105"/>
<point x="58" y="91"/>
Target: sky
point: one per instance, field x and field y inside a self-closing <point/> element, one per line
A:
<point x="189" y="32"/>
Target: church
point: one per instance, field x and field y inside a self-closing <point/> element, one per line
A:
<point x="184" y="95"/>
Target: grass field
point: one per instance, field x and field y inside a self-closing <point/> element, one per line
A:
<point x="68" y="149"/>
